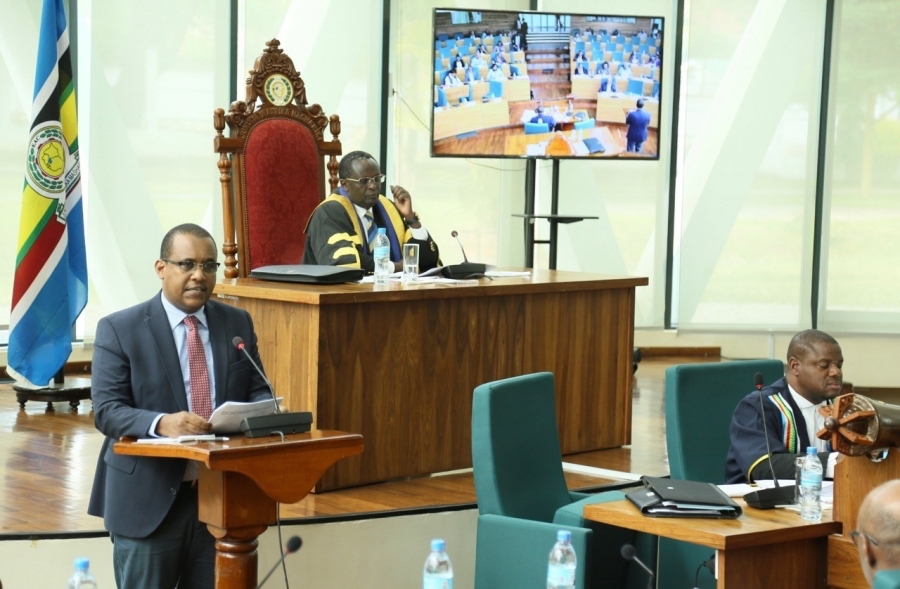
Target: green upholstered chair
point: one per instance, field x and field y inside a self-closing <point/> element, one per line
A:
<point x="700" y="400"/>
<point x="523" y="498"/>
<point x="887" y="580"/>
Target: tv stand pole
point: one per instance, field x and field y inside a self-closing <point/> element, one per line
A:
<point x="554" y="217"/>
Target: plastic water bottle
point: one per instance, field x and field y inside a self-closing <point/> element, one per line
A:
<point x="811" y="487"/>
<point x="381" y="251"/>
<point x="82" y="577"/>
<point x="561" y="567"/>
<point x="438" y="572"/>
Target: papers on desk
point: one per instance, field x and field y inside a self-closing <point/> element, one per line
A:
<point x="227" y="418"/>
<point x="183" y="439"/>
<point x="506" y="274"/>
<point x="741" y="489"/>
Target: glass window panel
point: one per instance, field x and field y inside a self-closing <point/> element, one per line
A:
<point x="150" y="76"/>
<point x="747" y="179"/>
<point x="336" y="47"/>
<point x="861" y="245"/>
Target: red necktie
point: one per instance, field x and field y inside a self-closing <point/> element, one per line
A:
<point x="201" y="401"/>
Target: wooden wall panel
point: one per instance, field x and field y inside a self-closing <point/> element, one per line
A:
<point x="399" y="366"/>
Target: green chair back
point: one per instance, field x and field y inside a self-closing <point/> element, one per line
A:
<point x="700" y="400"/>
<point x="515" y="449"/>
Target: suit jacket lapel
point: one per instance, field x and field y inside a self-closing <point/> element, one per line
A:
<point x="158" y="325"/>
<point x="219" y="341"/>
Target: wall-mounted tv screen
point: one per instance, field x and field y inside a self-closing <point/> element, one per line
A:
<point x="546" y="85"/>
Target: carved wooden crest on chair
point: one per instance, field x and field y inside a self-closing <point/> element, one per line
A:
<point x="272" y="165"/>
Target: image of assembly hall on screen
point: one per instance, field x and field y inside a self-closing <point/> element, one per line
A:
<point x="510" y="84"/>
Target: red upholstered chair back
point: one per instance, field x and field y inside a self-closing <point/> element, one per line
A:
<point x="272" y="166"/>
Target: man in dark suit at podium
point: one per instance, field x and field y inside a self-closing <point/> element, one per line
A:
<point x="159" y="369"/>
<point x="637" y="120"/>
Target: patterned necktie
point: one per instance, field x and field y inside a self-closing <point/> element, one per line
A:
<point x="373" y="229"/>
<point x="201" y="401"/>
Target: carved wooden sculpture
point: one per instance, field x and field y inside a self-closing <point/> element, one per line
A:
<point x="272" y="165"/>
<point x="859" y="425"/>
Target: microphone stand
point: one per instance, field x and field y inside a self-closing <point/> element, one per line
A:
<point x="778" y="495"/>
<point x="277" y="423"/>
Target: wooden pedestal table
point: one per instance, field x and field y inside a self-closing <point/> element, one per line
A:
<point x="764" y="549"/>
<point x="243" y="480"/>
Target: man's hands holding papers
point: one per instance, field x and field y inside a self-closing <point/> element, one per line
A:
<point x="183" y="423"/>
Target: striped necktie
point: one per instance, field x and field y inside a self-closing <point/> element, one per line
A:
<point x="201" y="398"/>
<point x="373" y="228"/>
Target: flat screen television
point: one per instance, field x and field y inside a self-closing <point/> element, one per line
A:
<point x="546" y="85"/>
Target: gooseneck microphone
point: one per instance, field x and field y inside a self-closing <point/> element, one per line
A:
<point x="629" y="553"/>
<point x="238" y="342"/>
<point x="465" y="270"/>
<point x="455" y="236"/>
<point x="278" y="423"/>
<point x="293" y="545"/>
<point x="758" y="381"/>
<point x="778" y="495"/>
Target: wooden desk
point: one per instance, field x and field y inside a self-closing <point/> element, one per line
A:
<point x="536" y="143"/>
<point x="765" y="549"/>
<point x="399" y="366"/>
<point x="454" y="93"/>
<point x="517" y="88"/>
<point x="470" y="116"/>
<point x="585" y="87"/>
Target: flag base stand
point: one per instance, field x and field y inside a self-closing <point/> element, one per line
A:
<point x="71" y="390"/>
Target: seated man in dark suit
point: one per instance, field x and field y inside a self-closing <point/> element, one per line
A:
<point x="637" y="120"/>
<point x="540" y="117"/>
<point x="159" y="368"/>
<point x="877" y="535"/>
<point x="344" y="225"/>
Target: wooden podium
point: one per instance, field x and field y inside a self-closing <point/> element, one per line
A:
<point x="854" y="477"/>
<point x="243" y="480"/>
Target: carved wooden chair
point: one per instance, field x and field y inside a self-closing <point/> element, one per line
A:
<point x="272" y="165"/>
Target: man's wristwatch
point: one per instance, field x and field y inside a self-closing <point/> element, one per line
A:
<point x="413" y="219"/>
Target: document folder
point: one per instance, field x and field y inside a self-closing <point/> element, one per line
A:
<point x="676" y="498"/>
<point x="308" y="273"/>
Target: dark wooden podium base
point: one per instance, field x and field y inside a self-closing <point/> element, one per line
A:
<point x="71" y="390"/>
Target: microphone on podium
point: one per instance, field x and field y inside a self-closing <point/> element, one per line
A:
<point x="238" y="342"/>
<point x="465" y="270"/>
<point x="455" y="236"/>
<point x="293" y="545"/>
<point x="277" y="423"/>
<point x="628" y="553"/>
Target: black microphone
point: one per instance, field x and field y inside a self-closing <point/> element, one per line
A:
<point x="455" y="236"/>
<point x="238" y="342"/>
<point x="628" y="553"/>
<point x="278" y="423"/>
<point x="293" y="545"/>
<point x="465" y="270"/>
<point x="778" y="495"/>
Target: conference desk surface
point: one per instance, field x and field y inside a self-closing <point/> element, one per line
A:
<point x="536" y="144"/>
<point x="762" y="548"/>
<point x="399" y="366"/>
